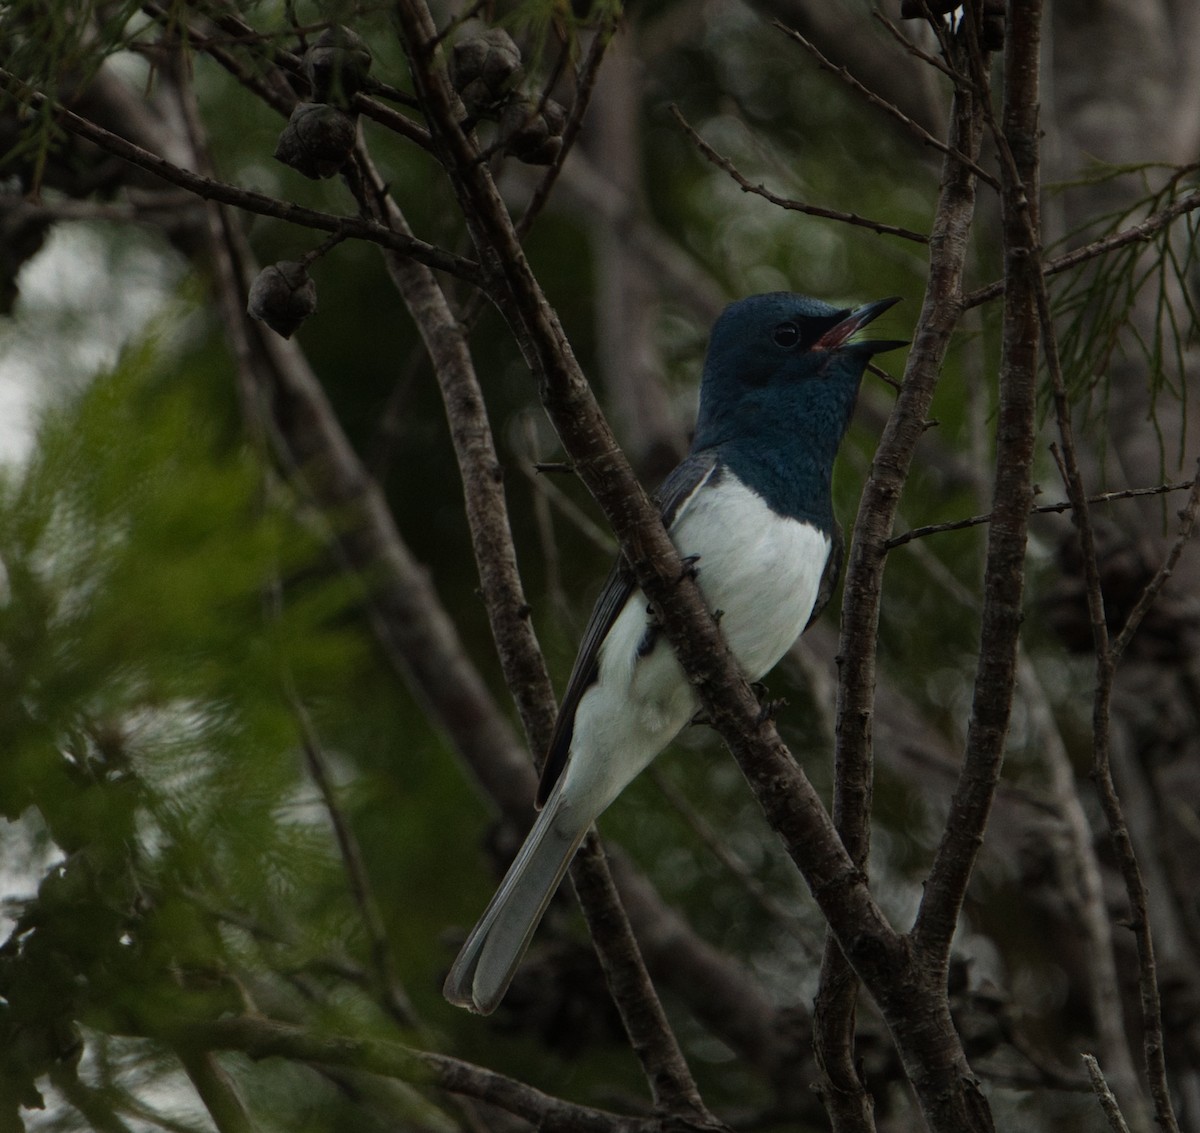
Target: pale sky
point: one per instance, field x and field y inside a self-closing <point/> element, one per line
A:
<point x="78" y="306"/>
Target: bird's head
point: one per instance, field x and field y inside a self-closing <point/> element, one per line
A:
<point x="785" y="361"/>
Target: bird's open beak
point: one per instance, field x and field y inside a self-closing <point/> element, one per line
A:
<point x="839" y="334"/>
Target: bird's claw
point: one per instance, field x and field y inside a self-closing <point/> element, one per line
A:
<point x="768" y="709"/>
<point x="689" y="567"/>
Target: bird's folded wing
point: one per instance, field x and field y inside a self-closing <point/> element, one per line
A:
<point x="677" y="491"/>
<point x="831" y="573"/>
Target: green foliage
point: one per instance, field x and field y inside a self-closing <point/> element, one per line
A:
<point x="55" y="47"/>
<point x="1103" y="303"/>
<point x="156" y="603"/>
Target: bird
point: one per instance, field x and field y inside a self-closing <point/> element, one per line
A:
<point x="750" y="510"/>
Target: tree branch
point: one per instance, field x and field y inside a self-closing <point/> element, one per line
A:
<point x="1106" y="661"/>
<point x="248" y="200"/>
<point x="263" y="1038"/>
<point x="760" y="190"/>
<point x="283" y="395"/>
<point x="479" y="467"/>
<point x="966" y="157"/>
<point x="1108" y="1103"/>
<point x="216" y="1090"/>
<point x="861" y="604"/>
<point x="1141" y="233"/>
<point x="996" y="674"/>
<point x="546" y="346"/>
<point x="1056" y="508"/>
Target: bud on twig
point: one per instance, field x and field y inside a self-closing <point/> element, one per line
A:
<point x="485" y="66"/>
<point x="336" y="65"/>
<point x="282" y="295"/>
<point x="317" y="140"/>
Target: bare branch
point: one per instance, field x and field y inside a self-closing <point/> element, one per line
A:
<point x="1039" y="509"/>
<point x="248" y="200"/>
<point x="1108" y="1103"/>
<point x="996" y="672"/>
<point x="933" y="61"/>
<point x="479" y="467"/>
<point x="259" y="1038"/>
<point x="584" y="85"/>
<point x="933" y="1057"/>
<point x="950" y="150"/>
<point x="853" y="787"/>
<point x="760" y="190"/>
<point x="1187" y="523"/>
<point x="216" y="1090"/>
<point x="541" y="336"/>
<point x="1106" y="661"/>
<point x="1141" y="233"/>
<point x="388" y="986"/>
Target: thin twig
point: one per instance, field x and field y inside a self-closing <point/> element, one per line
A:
<point x="883" y="104"/>
<point x="760" y="190"/>
<point x="717" y="845"/>
<point x="845" y="1095"/>
<point x="1142" y="232"/>
<point x="1004" y="577"/>
<point x="209" y="189"/>
<point x="1108" y="1103"/>
<point x="480" y="469"/>
<point x="1187" y="522"/>
<point x="216" y="1090"/>
<point x="1038" y="509"/>
<point x="956" y="77"/>
<point x="388" y="987"/>
<point x="584" y="85"/>
<point x="1106" y="662"/>
<point x="259" y="1038"/>
<point x="568" y="508"/>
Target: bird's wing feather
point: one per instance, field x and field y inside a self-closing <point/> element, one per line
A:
<point x="831" y="573"/>
<point x="673" y="497"/>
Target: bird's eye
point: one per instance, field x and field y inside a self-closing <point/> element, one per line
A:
<point x="786" y="335"/>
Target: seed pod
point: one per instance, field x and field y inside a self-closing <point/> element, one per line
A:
<point x="317" y="140"/>
<point x="282" y="295"/>
<point x="532" y="129"/>
<point x="485" y="67"/>
<point x="336" y="65"/>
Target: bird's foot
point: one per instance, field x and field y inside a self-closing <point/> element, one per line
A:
<point x="768" y="709"/>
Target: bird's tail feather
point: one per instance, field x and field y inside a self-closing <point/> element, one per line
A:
<point x="489" y="958"/>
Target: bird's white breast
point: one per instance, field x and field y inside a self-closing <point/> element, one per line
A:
<point x="761" y="571"/>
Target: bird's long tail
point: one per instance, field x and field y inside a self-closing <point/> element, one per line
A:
<point x="489" y="958"/>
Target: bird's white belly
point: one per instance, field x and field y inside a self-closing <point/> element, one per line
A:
<point x="761" y="572"/>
